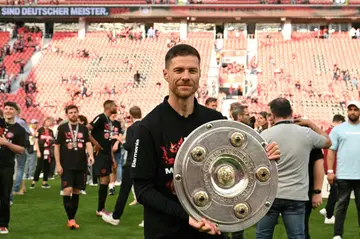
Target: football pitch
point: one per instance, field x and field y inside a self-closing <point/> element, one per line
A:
<point x="39" y="214"/>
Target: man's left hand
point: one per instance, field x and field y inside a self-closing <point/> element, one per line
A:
<point x="316" y="200"/>
<point x="273" y="151"/>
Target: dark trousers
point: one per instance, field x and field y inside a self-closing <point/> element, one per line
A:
<point x="6" y="184"/>
<point x="344" y="188"/>
<point x="125" y="189"/>
<point x="52" y="168"/>
<point x="94" y="177"/>
<point x="308" y="209"/>
<point x="331" y="203"/>
<point x="42" y="165"/>
<point x="235" y="235"/>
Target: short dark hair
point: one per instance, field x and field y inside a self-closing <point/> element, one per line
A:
<point x="12" y="104"/>
<point x="338" y="118"/>
<point x="238" y="111"/>
<point x="281" y="108"/>
<point x="70" y="107"/>
<point x="181" y="50"/>
<point x="135" y="112"/>
<point x="82" y="118"/>
<point x="107" y="103"/>
<point x="234" y="105"/>
<point x="1" y="114"/>
<point x="264" y="114"/>
<point x="210" y="100"/>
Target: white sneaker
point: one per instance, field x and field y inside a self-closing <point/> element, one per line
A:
<point x="109" y="219"/>
<point x="4" y="230"/>
<point x="83" y="192"/>
<point x="323" y="212"/>
<point x="141" y="224"/>
<point x="102" y="212"/>
<point x="329" y="220"/>
<point x="117" y="183"/>
<point x="93" y="184"/>
<point x="337" y="237"/>
<point x="61" y="193"/>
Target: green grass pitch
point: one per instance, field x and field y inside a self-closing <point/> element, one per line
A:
<point x="39" y="214"/>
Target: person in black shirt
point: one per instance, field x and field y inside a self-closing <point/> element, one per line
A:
<point x="101" y="128"/>
<point x="44" y="141"/>
<point x="12" y="141"/>
<point x="114" y="219"/>
<point x="157" y="140"/>
<point x="72" y="144"/>
<point x="316" y="167"/>
<point x="84" y="121"/>
<point x="116" y="136"/>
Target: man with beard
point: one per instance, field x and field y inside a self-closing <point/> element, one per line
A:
<point x="345" y="138"/>
<point x="12" y="141"/>
<point x="101" y="128"/>
<point x="157" y="140"/>
<point x="72" y="144"/>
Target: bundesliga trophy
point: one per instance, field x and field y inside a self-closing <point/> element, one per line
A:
<point x="222" y="173"/>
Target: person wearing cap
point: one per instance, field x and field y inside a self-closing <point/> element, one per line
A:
<point x="345" y="146"/>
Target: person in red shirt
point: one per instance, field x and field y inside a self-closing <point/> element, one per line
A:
<point x="328" y="211"/>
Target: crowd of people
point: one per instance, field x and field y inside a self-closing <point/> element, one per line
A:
<point x="152" y="142"/>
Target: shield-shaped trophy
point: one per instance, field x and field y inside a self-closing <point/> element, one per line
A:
<point x="222" y="173"/>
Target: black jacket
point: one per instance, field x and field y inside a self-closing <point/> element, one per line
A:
<point x="129" y="142"/>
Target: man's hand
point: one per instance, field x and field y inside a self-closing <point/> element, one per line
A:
<point x="38" y="154"/>
<point x="316" y="200"/>
<point x="204" y="226"/>
<point x="331" y="178"/>
<point x="97" y="148"/>
<point x="273" y="151"/>
<point x="119" y="138"/>
<point x="91" y="161"/>
<point x="3" y="141"/>
<point x="302" y="122"/>
<point x="59" y="170"/>
<point x="114" y="164"/>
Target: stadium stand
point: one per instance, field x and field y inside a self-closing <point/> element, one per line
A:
<point x="302" y="69"/>
<point x="108" y="71"/>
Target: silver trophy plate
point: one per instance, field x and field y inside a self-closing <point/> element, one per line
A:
<point x="222" y="173"/>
